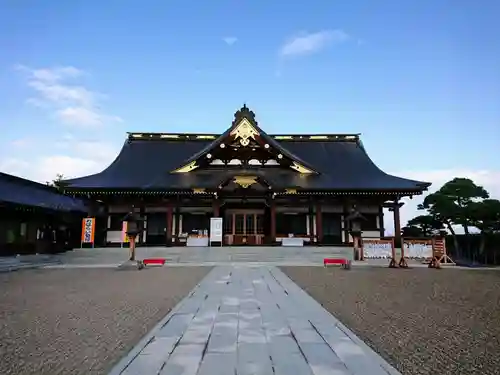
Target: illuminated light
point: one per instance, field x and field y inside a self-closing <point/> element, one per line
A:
<point x="136" y="135"/>
<point x="280" y="156"/>
<point x="171" y="136"/>
<point x="222" y="145"/>
<point x="291" y="191"/>
<point x="283" y="137"/>
<point x="205" y="137"/>
<point x="198" y="190"/>
<point x="318" y="137"/>
<point x="209" y="156"/>
<point x="266" y="145"/>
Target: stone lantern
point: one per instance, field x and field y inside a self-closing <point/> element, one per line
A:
<point x="354" y="220"/>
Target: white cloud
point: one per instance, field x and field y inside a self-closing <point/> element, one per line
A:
<point x="308" y="43"/>
<point x="54" y="74"/>
<point x="84" y="116"/>
<point x="68" y="156"/>
<point x="230" y="40"/>
<point x="490" y="180"/>
<point x="73" y="104"/>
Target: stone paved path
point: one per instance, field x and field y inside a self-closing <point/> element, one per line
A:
<point x="251" y="321"/>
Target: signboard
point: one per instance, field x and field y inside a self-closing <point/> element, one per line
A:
<point x="418" y="249"/>
<point x="88" y="230"/>
<point x="377" y="248"/>
<point x="216" y="229"/>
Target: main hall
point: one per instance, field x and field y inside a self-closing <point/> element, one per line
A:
<point x="268" y="189"/>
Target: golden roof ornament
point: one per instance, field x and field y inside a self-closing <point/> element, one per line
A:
<point x="245" y="181"/>
<point x="244" y="126"/>
<point x="244" y="131"/>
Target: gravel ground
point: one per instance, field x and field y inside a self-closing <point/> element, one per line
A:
<point x="82" y="321"/>
<point x="421" y="321"/>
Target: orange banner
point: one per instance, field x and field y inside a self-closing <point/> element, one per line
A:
<point x="88" y="230"/>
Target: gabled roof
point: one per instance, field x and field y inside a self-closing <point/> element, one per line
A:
<point x="19" y="191"/>
<point x="340" y="163"/>
<point x="244" y="127"/>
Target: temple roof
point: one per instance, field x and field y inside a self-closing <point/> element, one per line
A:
<point x="151" y="161"/>
<point x="19" y="191"/>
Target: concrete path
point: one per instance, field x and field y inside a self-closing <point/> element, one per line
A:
<point x="251" y="321"/>
<point x="15" y="263"/>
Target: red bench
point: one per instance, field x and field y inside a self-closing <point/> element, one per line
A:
<point x="155" y="261"/>
<point x="344" y="263"/>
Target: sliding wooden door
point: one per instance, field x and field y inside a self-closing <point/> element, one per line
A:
<point x="247" y="228"/>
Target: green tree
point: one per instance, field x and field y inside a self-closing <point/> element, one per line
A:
<point x="485" y="216"/>
<point x="411" y="231"/>
<point x="428" y="225"/>
<point x="451" y="204"/>
<point x="58" y="182"/>
<point x="462" y="192"/>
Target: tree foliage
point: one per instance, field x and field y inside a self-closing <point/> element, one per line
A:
<point x="451" y="204"/>
<point x="58" y="182"/>
<point x="485" y="215"/>
<point x="424" y="226"/>
<point x="459" y="202"/>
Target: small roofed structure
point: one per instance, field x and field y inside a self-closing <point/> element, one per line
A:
<point x="36" y="218"/>
<point x="269" y="189"/>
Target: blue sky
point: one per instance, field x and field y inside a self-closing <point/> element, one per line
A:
<point x="419" y="79"/>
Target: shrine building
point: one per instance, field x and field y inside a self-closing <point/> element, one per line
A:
<point x="268" y="189"/>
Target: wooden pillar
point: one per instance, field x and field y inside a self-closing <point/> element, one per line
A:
<point x="170" y="211"/>
<point x="319" y="223"/>
<point x="273" y="222"/>
<point x="397" y="224"/>
<point x="142" y="214"/>
<point x="381" y="221"/>
<point x="345" y="224"/>
<point x="311" y="225"/>
<point x="216" y="208"/>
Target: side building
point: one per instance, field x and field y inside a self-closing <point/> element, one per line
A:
<point x="36" y="218"/>
<point x="269" y="189"/>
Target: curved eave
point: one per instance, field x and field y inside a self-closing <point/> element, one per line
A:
<point x="94" y="176"/>
<point x="417" y="185"/>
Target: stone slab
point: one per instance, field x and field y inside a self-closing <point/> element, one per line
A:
<point x="252" y="320"/>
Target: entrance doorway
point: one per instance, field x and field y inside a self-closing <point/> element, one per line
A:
<point x="244" y="227"/>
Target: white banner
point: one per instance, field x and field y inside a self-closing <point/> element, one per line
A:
<point x="216" y="229"/>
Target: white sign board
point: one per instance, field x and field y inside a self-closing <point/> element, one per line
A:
<point x="418" y="250"/>
<point x="375" y="249"/>
<point x="216" y="229"/>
